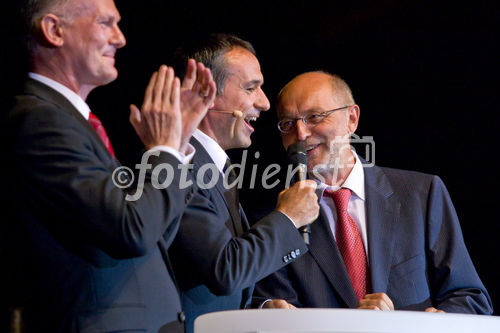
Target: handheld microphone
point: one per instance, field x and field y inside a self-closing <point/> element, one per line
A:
<point x="235" y="113"/>
<point x="298" y="157"/>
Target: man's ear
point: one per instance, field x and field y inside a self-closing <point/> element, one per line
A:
<point x="51" y="31"/>
<point x="353" y="118"/>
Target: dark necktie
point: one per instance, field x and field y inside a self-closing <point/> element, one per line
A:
<point x="350" y="243"/>
<point x="232" y="198"/>
<point x="97" y="125"/>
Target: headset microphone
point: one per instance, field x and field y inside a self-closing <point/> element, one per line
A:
<point x="235" y="113"/>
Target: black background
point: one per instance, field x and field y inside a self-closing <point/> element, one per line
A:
<point x="425" y="75"/>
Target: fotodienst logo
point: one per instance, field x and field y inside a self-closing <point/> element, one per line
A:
<point x="208" y="175"/>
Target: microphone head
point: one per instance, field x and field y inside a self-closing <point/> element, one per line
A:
<point x="237" y="113"/>
<point x="297" y="153"/>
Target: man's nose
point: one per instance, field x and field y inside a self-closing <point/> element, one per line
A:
<point x="302" y="130"/>
<point x="262" y="103"/>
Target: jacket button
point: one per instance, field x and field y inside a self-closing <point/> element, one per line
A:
<point x="294" y="255"/>
<point x="181" y="317"/>
<point x="285" y="259"/>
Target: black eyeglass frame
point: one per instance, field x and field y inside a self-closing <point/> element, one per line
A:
<point x="323" y="115"/>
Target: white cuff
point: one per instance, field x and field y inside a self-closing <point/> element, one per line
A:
<point x="183" y="158"/>
<point x="261" y="306"/>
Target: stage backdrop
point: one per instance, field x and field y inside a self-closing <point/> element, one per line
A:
<point x="424" y="73"/>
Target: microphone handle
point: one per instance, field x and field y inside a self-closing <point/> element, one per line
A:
<point x="305" y="231"/>
<point x="301" y="175"/>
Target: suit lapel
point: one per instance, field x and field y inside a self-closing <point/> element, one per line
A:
<point x="202" y="157"/>
<point x="36" y="88"/>
<point x="382" y="214"/>
<point x="324" y="250"/>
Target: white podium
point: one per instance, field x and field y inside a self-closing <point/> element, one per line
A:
<point x="342" y="321"/>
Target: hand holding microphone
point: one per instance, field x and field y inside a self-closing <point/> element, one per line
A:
<point x="300" y="202"/>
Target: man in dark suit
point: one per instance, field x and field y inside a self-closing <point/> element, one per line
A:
<point x="218" y="258"/>
<point x="385" y="239"/>
<point x="86" y="254"/>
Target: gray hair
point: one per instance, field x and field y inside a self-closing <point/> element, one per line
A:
<point x="211" y="50"/>
<point x="32" y="12"/>
<point x="340" y="88"/>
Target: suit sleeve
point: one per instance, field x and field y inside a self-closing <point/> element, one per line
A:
<point x="275" y="286"/>
<point x="206" y="252"/>
<point x="70" y="183"/>
<point x="454" y="281"/>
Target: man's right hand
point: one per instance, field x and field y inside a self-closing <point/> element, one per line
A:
<point x="170" y="112"/>
<point x="159" y="121"/>
<point x="300" y="202"/>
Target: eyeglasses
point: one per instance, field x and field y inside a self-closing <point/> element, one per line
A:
<point x="311" y="119"/>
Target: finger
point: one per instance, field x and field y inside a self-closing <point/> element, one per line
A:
<point x="212" y="91"/>
<point x="209" y="84"/>
<point x="382" y="297"/>
<point x="206" y="78"/>
<point x="369" y="307"/>
<point x="277" y="304"/>
<point x="433" y="309"/>
<point x="370" y="303"/>
<point x="159" y="87"/>
<point x="135" y="114"/>
<point x="388" y="301"/>
<point x="190" y="76"/>
<point x="379" y="303"/>
<point x="311" y="183"/>
<point x="307" y="183"/>
<point x="291" y="306"/>
<point x="167" y="88"/>
<point x="202" y="74"/>
<point x="135" y="118"/>
<point x="198" y="86"/>
<point x="176" y="93"/>
<point x="148" y="95"/>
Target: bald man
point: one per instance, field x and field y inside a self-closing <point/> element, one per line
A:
<point x="385" y="239"/>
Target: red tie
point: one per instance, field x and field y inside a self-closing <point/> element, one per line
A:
<point x="97" y="125"/>
<point x="349" y="242"/>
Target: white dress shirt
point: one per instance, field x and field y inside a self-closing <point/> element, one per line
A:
<point x="70" y="95"/>
<point x="84" y="110"/>
<point x="357" y="202"/>
<point x="213" y="149"/>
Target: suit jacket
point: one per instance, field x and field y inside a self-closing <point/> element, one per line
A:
<point x="416" y="252"/>
<point x="215" y="266"/>
<point x="82" y="258"/>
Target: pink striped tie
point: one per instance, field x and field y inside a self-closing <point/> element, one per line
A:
<point x="97" y="125"/>
<point x="350" y="243"/>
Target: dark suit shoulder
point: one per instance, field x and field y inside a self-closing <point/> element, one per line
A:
<point x="410" y="182"/>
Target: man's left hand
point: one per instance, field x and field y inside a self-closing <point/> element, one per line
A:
<point x="378" y="301"/>
<point x="433" y="309"/>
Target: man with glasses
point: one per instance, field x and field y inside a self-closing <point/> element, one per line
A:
<point x="386" y="239"/>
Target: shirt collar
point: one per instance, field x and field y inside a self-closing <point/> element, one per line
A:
<point x="213" y="149"/>
<point x="355" y="181"/>
<point x="70" y="95"/>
